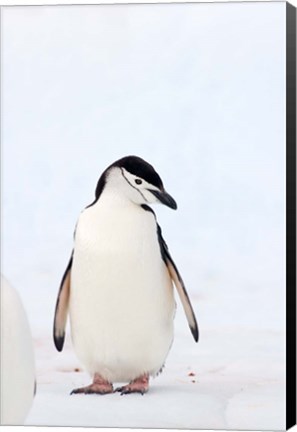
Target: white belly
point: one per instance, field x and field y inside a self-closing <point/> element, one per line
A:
<point x="121" y="304"/>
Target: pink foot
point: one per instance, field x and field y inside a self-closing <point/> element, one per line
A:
<point x="139" y="385"/>
<point x="99" y="386"/>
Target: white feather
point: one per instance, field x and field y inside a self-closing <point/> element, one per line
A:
<point x="17" y="358"/>
<point x="121" y="303"/>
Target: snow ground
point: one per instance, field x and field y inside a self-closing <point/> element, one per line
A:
<point x="209" y="385"/>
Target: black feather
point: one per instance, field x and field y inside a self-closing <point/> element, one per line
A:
<point x="134" y="165"/>
<point x="59" y="340"/>
<point x="168" y="259"/>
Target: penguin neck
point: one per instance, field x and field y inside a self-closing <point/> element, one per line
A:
<point x="112" y="199"/>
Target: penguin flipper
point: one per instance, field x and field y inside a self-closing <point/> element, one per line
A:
<point x="180" y="286"/>
<point x="62" y="306"/>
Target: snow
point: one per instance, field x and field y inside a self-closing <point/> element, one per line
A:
<point x="198" y="91"/>
<point x="229" y="389"/>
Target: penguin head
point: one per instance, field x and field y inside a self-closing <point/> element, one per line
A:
<point x="135" y="179"/>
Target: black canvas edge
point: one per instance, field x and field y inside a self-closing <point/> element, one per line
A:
<point x="290" y="215"/>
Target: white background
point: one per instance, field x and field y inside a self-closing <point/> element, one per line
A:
<point x="198" y="91"/>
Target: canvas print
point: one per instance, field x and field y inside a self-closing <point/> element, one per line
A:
<point x="144" y="215"/>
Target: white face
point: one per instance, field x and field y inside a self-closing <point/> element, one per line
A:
<point x="136" y="189"/>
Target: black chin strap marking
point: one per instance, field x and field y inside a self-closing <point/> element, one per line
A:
<point x="123" y="174"/>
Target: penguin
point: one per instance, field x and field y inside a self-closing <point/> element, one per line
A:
<point x="118" y="284"/>
<point x="18" y="384"/>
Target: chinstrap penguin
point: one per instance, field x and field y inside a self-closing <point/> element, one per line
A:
<point x="118" y="285"/>
<point x="18" y="384"/>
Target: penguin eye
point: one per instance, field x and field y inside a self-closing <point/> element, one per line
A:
<point x="138" y="181"/>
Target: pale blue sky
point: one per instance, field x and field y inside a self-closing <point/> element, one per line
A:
<point x="198" y="90"/>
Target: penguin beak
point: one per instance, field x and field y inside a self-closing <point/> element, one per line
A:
<point x="164" y="198"/>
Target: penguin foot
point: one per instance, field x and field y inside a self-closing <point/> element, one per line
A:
<point x="94" y="389"/>
<point x="139" y="385"/>
<point x="99" y="386"/>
